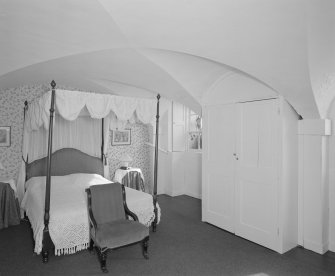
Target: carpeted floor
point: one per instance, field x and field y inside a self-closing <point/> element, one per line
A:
<point x="182" y="245"/>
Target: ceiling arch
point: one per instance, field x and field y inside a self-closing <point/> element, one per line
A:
<point x="115" y="71"/>
<point x="265" y="39"/>
<point x="86" y="42"/>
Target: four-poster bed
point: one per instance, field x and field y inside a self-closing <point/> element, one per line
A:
<point x="70" y="167"/>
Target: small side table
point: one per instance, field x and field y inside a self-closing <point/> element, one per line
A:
<point x="9" y="205"/>
<point x="130" y="177"/>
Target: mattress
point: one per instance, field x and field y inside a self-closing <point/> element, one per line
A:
<point x="68" y="225"/>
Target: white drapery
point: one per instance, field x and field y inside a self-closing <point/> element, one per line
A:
<point x="77" y="124"/>
<point x="83" y="134"/>
<point x="70" y="104"/>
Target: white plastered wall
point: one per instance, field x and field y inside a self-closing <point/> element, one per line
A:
<point x="313" y="184"/>
<point x="331" y="167"/>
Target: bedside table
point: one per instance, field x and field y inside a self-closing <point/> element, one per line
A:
<point x="130" y="177"/>
<point x="9" y="207"/>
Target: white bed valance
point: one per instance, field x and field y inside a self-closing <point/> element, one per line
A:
<point x="70" y="104"/>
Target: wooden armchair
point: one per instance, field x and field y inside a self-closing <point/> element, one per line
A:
<point x="110" y="226"/>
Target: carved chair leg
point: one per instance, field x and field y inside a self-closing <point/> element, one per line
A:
<point x="103" y="259"/>
<point x="45" y="256"/>
<point x="154" y="226"/>
<point x="90" y="248"/>
<point x="154" y="223"/>
<point x="145" y="244"/>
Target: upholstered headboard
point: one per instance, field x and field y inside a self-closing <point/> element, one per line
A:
<point x="66" y="161"/>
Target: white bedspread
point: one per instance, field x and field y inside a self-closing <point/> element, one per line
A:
<point x="68" y="225"/>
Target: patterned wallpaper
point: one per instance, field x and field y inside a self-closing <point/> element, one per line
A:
<point x="11" y="114"/>
<point x="138" y="151"/>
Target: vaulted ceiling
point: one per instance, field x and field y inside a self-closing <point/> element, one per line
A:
<point x="178" y="48"/>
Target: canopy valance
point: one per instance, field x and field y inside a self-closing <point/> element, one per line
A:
<point x="70" y="104"/>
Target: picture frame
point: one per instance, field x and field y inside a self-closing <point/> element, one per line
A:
<point x="4" y="136"/>
<point x="195" y="140"/>
<point x="121" y="137"/>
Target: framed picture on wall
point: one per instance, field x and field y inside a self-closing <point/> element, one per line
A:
<point x="121" y="137"/>
<point x="195" y="140"/>
<point x="4" y="136"/>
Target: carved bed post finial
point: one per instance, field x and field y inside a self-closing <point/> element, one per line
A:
<point x="25" y="110"/>
<point x="53" y="84"/>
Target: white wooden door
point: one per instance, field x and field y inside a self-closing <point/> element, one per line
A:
<point x="218" y="165"/>
<point x="256" y="200"/>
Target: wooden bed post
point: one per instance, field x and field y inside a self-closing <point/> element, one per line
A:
<point x="102" y="140"/>
<point x="25" y="110"/>
<point x="154" y="224"/>
<point x="47" y="242"/>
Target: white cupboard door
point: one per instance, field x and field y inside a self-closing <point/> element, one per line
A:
<point x="256" y="216"/>
<point x="218" y="165"/>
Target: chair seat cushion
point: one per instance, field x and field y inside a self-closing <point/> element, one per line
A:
<point x="120" y="232"/>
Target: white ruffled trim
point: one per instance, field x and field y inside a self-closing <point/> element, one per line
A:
<point x="70" y="103"/>
<point x="147" y="218"/>
<point x="144" y="217"/>
<point x="70" y="233"/>
<point x="70" y="250"/>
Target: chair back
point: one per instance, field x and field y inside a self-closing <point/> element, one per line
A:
<point x="107" y="202"/>
<point x="133" y="180"/>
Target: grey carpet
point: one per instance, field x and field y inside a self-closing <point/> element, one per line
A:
<point x="182" y="245"/>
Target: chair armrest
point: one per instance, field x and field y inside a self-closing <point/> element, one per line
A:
<point x="90" y="212"/>
<point x="128" y="212"/>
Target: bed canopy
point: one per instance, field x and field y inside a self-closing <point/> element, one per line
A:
<point x="104" y="110"/>
<point x="80" y="108"/>
<point x="71" y="104"/>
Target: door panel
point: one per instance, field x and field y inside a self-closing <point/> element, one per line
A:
<point x="218" y="165"/>
<point x="256" y="179"/>
<point x="178" y="127"/>
<point x="221" y="186"/>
